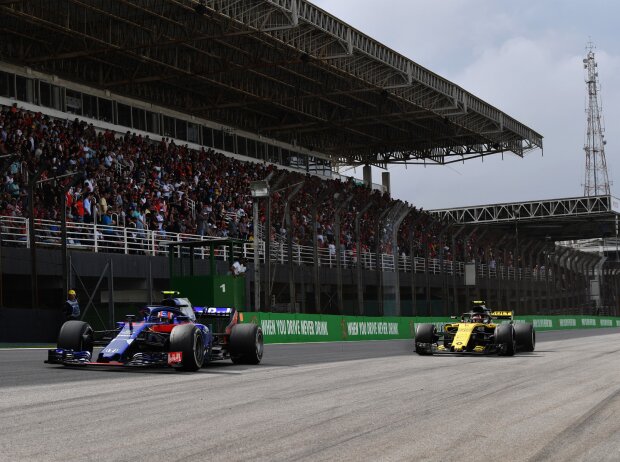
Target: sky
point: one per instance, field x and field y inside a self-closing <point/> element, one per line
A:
<point x="523" y="57"/>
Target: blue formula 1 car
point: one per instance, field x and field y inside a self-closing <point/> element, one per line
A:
<point x="173" y="334"/>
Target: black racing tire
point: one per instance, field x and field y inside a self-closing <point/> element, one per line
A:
<point x="525" y="336"/>
<point x="505" y="339"/>
<point x="189" y="340"/>
<point x="425" y="333"/>
<point x="76" y="336"/>
<point x="246" y="344"/>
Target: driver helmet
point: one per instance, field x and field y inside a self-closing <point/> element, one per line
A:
<point x="477" y="317"/>
<point x="165" y="316"/>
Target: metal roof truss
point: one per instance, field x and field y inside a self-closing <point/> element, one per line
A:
<point x="535" y="210"/>
<point x="281" y="68"/>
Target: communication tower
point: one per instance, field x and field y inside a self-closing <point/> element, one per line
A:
<point x="597" y="180"/>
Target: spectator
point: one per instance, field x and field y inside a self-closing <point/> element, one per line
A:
<point x="238" y="268"/>
<point x="88" y="212"/>
<point x="154" y="182"/>
<point x="108" y="221"/>
<point x="79" y="209"/>
<point x="103" y="204"/>
<point x="233" y="227"/>
<point x="72" y="307"/>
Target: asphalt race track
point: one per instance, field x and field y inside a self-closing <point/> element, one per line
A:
<point x="345" y="401"/>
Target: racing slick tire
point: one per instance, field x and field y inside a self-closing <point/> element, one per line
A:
<point x="246" y="344"/>
<point x="505" y="339"/>
<point x="425" y="333"/>
<point x="188" y="339"/>
<point x="76" y="336"/>
<point x="525" y="336"/>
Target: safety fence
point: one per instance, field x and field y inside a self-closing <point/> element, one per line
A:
<point x="302" y="328"/>
<point x="15" y="231"/>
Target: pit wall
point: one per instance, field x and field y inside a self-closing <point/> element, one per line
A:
<point x="301" y="328"/>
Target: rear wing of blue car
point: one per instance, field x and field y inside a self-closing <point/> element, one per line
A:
<point x="213" y="311"/>
<point x="218" y="319"/>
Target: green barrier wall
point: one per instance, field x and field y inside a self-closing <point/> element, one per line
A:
<point x="298" y="328"/>
<point x="570" y="322"/>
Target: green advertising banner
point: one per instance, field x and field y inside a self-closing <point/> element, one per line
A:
<point x="569" y="322"/>
<point x="302" y="328"/>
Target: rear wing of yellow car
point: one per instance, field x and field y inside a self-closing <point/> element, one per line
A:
<point x="502" y="315"/>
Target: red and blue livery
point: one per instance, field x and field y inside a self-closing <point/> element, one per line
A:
<point x="173" y="334"/>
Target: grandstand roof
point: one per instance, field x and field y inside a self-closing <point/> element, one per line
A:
<point x="555" y="219"/>
<point x="284" y="69"/>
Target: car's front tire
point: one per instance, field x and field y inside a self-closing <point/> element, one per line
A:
<point x="425" y="333"/>
<point x="189" y="340"/>
<point x="505" y="339"/>
<point x="76" y="336"/>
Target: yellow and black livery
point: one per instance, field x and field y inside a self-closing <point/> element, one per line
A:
<point x="480" y="331"/>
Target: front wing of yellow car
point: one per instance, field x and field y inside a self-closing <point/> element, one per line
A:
<point x="468" y="337"/>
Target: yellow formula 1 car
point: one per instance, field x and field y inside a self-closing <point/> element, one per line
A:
<point x="481" y="331"/>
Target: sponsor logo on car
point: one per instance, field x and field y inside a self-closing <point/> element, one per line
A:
<point x="501" y="313"/>
<point x="175" y="357"/>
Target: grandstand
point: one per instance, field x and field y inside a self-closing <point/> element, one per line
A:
<point x="148" y="121"/>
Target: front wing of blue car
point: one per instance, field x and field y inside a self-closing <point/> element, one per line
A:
<point x="141" y="359"/>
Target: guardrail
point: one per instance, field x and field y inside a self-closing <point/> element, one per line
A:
<point x="118" y="239"/>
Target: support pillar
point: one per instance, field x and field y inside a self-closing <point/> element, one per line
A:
<point x="358" y="252"/>
<point x="367" y="172"/>
<point x="289" y="240"/>
<point x="339" y="290"/>
<point x="401" y="213"/>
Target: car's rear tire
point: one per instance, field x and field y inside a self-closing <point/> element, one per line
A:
<point x="505" y="339"/>
<point x="246" y="344"/>
<point x="425" y="333"/>
<point x="525" y="336"/>
<point x="76" y="336"/>
<point x="189" y="340"/>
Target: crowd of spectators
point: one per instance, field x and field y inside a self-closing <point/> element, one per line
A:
<point x="133" y="181"/>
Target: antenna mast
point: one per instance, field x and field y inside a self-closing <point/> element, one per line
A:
<point x="597" y="181"/>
